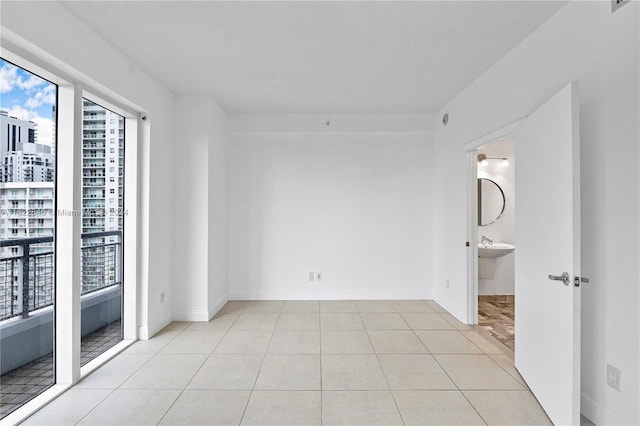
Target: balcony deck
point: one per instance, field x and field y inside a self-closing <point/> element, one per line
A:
<point x="24" y="383"/>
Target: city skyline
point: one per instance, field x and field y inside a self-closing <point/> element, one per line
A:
<point x="27" y="181"/>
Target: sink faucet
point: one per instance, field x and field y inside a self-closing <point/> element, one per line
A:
<point x="486" y="240"/>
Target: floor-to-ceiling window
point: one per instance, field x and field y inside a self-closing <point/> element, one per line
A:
<point x="67" y="295"/>
<point x="103" y="136"/>
<point x="27" y="230"/>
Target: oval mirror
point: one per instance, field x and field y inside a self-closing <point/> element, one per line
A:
<point x="490" y="201"/>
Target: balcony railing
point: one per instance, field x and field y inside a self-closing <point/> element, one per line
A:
<point x="27" y="274"/>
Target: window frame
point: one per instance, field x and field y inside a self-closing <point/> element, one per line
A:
<point x="72" y="87"/>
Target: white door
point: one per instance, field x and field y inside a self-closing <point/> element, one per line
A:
<point x="547" y="240"/>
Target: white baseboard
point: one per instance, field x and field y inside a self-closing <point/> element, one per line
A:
<point x="143" y="333"/>
<point x="191" y="315"/>
<point x="596" y="414"/>
<point x="216" y="308"/>
<point x="313" y="297"/>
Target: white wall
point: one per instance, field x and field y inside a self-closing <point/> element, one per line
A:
<point x="583" y="42"/>
<point x="353" y="204"/>
<point x="218" y="289"/>
<point x="502" y="230"/>
<point x="190" y="204"/>
<point x="200" y="207"/>
<point x="49" y="31"/>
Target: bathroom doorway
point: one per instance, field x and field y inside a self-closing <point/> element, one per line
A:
<point x="495" y="229"/>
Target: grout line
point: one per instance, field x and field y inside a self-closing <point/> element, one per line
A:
<point x="95" y="406"/>
<point x="170" y="406"/>
<point x="119" y="387"/>
<point x="490" y="355"/>
<point x="199" y="368"/>
<point x="443" y="369"/>
<point x="382" y="369"/>
<point x="459" y="390"/>
<point x="266" y="351"/>
<point x="486" y="335"/>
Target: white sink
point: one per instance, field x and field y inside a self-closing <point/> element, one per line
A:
<point x="494" y="250"/>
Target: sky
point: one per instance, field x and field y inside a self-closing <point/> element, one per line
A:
<point x="28" y="97"/>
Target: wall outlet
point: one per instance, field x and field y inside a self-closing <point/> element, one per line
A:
<point x="162" y="297"/>
<point x="318" y="276"/>
<point x="613" y="377"/>
<point x="447" y="284"/>
<point x="312" y="276"/>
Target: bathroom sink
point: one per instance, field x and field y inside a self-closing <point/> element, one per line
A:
<point x="495" y="249"/>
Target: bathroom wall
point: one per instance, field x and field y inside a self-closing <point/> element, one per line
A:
<point x="502" y="230"/>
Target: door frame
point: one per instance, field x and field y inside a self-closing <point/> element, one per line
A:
<point x="472" y="213"/>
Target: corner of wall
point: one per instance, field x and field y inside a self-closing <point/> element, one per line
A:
<point x="215" y="308"/>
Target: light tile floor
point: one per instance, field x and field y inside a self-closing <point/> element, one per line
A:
<point x="305" y="363"/>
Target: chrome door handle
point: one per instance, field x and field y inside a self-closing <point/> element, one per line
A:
<point x="578" y="280"/>
<point x="564" y="278"/>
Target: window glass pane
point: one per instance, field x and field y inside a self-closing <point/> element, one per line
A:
<point x="102" y="226"/>
<point x="27" y="203"/>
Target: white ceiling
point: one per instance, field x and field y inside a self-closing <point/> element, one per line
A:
<point x="316" y="57"/>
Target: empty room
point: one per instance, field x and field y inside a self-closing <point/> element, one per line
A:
<point x="319" y="212"/>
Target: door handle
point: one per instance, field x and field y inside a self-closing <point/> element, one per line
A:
<point x="578" y="280"/>
<point x="564" y="278"/>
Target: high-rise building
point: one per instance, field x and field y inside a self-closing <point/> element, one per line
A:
<point x="26" y="183"/>
<point x="28" y="162"/>
<point x="102" y="169"/>
<point x="26" y="211"/>
<point x="14" y="131"/>
<point x="102" y="192"/>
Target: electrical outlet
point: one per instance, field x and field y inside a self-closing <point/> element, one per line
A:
<point x="162" y="297"/>
<point x="613" y="377"/>
<point x="447" y="284"/>
<point x="312" y="276"/>
<point x="318" y="276"/>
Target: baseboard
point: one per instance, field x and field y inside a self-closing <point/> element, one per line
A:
<point x="597" y="415"/>
<point x="216" y="308"/>
<point x="278" y="297"/>
<point x="191" y="315"/>
<point x="143" y="333"/>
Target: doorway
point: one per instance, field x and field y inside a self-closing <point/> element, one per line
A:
<point x="491" y="200"/>
<point x="495" y="195"/>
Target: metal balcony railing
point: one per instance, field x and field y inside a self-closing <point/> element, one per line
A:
<point x="27" y="270"/>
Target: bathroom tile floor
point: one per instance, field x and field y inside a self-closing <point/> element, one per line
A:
<point x="305" y="363"/>
<point x="498" y="318"/>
